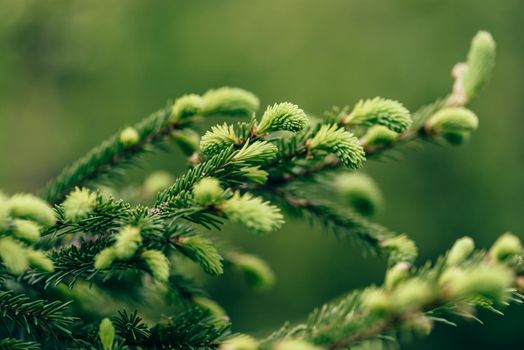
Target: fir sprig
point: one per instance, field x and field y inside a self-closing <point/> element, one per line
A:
<point x="411" y="300"/>
<point x="239" y="172"/>
<point x="123" y="148"/>
<point x="33" y="319"/>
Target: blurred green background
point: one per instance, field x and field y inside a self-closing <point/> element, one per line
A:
<point x="73" y="72"/>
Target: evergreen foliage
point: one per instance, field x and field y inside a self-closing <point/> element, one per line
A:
<point x="78" y="246"/>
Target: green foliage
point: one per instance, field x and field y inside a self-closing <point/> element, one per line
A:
<point x="282" y="116"/>
<point x="379" y="111"/>
<point x="193" y="329"/>
<point x="379" y="135"/>
<point x="220" y="137"/>
<point x="17" y="344"/>
<point x="127" y="242"/>
<point x="344" y="144"/>
<point x="13" y="255"/>
<point x="129" y="137"/>
<point x="26" y="206"/>
<point x="157" y="181"/>
<point x="106" y="333"/>
<point x="256" y="271"/>
<point x="78" y="204"/>
<point x="93" y="248"/>
<point x="507" y="247"/>
<point x="157" y="264"/>
<point x="454" y="124"/>
<point x="33" y="319"/>
<point x="185" y="106"/>
<point x="257" y="215"/>
<point x="229" y="101"/>
<point x="360" y="192"/>
<point x="418" y="299"/>
<point x="461" y="250"/>
<point x="23" y="217"/>
<point x="203" y="251"/>
<point x="26" y="230"/>
<point x="154" y="131"/>
<point x="480" y="63"/>
<point x="256" y="152"/>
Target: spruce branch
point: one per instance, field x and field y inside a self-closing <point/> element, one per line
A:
<point x="378" y="111"/>
<point x="106" y="247"/>
<point x="193" y="329"/>
<point x="33" y="319"/>
<point x="347" y="223"/>
<point x="412" y="299"/>
<point x="17" y="344"/>
<point x="122" y="148"/>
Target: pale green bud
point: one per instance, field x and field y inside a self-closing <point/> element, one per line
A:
<point x="158" y="264"/>
<point x="255" y="174"/>
<point x="256" y="271"/>
<point x="207" y="304"/>
<point x="256" y="152"/>
<point x="39" y="260"/>
<point x="239" y="342"/>
<point x="376" y="301"/>
<point x="411" y="294"/>
<point x="344" y="144"/>
<point x="379" y="135"/>
<point x="129" y="137"/>
<point x="253" y="212"/>
<point x="507" y="246"/>
<point x="219" y="138"/>
<point x="26" y="230"/>
<point x="208" y="191"/>
<point x="127" y="242"/>
<point x="79" y="204"/>
<point x="105" y="258"/>
<point x="203" y="251"/>
<point x="450" y="276"/>
<point x="188" y="140"/>
<point x="487" y="281"/>
<point x="26" y="206"/>
<point x="106" y="333"/>
<point x="453" y="124"/>
<point x="282" y="116"/>
<point x="158" y="181"/>
<point x="360" y="192"/>
<point x="460" y="251"/>
<point x="400" y="248"/>
<point x="13" y="255"/>
<point x="389" y="113"/>
<point x="419" y="323"/>
<point x="480" y="63"/>
<point x="228" y="100"/>
<point x="396" y="274"/>
<point x="185" y="106"/>
<point x="295" y="345"/>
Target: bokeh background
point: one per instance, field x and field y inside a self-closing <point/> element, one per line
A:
<point x="73" y="72"/>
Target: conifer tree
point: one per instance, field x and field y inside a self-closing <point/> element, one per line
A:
<point x="84" y="265"/>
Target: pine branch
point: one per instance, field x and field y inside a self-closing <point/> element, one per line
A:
<point x="347" y="223"/>
<point x="379" y="139"/>
<point x="121" y="149"/>
<point x="17" y="344"/>
<point x="191" y="330"/>
<point x="77" y="262"/>
<point x="110" y="156"/>
<point x="279" y="156"/>
<point x="412" y="299"/>
<point x="24" y="317"/>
